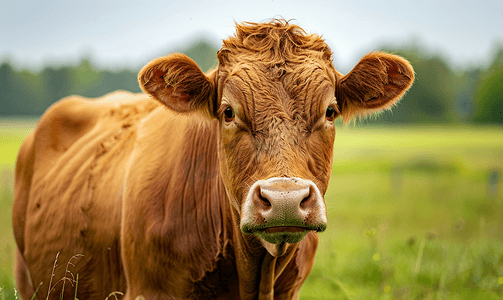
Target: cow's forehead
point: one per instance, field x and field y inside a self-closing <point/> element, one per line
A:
<point x="288" y="87"/>
<point x="299" y="97"/>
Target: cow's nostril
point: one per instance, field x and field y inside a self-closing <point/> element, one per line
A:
<point x="265" y="201"/>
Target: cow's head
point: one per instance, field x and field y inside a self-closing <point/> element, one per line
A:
<point x="276" y="96"/>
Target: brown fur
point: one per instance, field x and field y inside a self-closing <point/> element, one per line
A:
<point x="151" y="193"/>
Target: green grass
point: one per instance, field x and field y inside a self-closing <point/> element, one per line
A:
<point x="411" y="214"/>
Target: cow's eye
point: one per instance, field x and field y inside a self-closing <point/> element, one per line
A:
<point x="229" y="114"/>
<point x="330" y="114"/>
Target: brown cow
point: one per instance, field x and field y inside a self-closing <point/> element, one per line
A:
<point x="210" y="187"/>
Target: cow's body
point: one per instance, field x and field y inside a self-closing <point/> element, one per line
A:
<point x="76" y="196"/>
<point x="220" y="200"/>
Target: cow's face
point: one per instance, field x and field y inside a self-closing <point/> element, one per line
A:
<point x="276" y="96"/>
<point x="276" y="138"/>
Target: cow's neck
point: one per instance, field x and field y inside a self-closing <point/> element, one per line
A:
<point x="257" y="269"/>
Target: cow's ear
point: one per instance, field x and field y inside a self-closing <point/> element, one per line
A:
<point x="377" y="82"/>
<point x="177" y="82"/>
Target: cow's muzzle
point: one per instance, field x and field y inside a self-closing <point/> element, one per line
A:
<point x="281" y="210"/>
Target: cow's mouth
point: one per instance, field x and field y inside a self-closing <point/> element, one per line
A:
<point x="284" y="229"/>
<point x="283" y="234"/>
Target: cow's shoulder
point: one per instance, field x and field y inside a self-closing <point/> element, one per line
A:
<point x="72" y="117"/>
<point x="70" y="146"/>
<point x="76" y="129"/>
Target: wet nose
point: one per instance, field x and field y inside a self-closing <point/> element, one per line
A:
<point x="284" y="202"/>
<point x="288" y="196"/>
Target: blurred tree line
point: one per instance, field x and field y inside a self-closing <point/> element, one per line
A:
<point x="439" y="93"/>
<point x="23" y="92"/>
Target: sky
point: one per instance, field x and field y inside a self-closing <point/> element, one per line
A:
<point x="128" y="33"/>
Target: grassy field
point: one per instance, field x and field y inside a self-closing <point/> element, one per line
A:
<point x="415" y="212"/>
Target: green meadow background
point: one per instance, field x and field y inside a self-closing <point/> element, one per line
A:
<point x="415" y="212"/>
